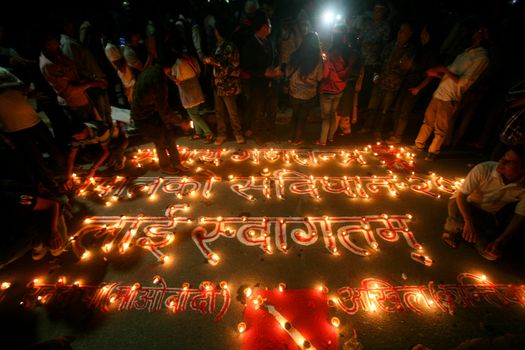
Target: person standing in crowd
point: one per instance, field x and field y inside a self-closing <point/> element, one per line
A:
<point x="185" y="74"/>
<point x="346" y="114"/>
<point x="373" y="32"/>
<point x="455" y="80"/>
<point x="87" y="67"/>
<point x="124" y="72"/>
<point x="61" y="73"/>
<point x="227" y="83"/>
<point x="396" y="60"/>
<point x="304" y="72"/>
<point x="259" y="62"/>
<point x="427" y="56"/>
<point x="155" y="120"/>
<point x="28" y="133"/>
<point x="335" y="76"/>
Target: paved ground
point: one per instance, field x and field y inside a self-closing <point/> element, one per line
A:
<point x="334" y="251"/>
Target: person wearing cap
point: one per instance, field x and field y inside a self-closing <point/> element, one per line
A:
<point x="124" y="72"/>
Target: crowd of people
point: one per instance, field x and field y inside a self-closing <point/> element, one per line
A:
<point x="172" y="63"/>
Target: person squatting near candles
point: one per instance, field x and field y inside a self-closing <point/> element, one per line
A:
<point x="489" y="208"/>
<point x="112" y="140"/>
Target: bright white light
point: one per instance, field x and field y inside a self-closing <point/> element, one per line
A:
<point x="328" y="17"/>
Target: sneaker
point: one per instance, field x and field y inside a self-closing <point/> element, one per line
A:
<point x="39" y="252"/>
<point x="121" y="164"/>
<point x="220" y="140"/>
<point x="169" y="171"/>
<point x="431" y="157"/>
<point x="392" y="140"/>
<point x="240" y="139"/>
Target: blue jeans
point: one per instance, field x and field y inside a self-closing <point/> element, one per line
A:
<point x="329" y="103"/>
<point x="199" y="124"/>
<point x="300" y="110"/>
<point x="378" y="106"/>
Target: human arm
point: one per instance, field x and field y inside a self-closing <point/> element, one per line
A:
<point x="469" y="233"/>
<point x="440" y="72"/>
<point x="415" y="90"/>
<point x="72" y="155"/>
<point x="100" y="161"/>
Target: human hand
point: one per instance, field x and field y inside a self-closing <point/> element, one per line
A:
<point x="433" y="72"/>
<point x="273" y="73"/>
<point x="100" y="83"/>
<point x="209" y="60"/>
<point x="469" y="233"/>
<point x="68" y="185"/>
<point x="493" y="248"/>
<point x="414" y="91"/>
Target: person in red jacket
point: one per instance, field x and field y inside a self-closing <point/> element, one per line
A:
<point x="335" y="75"/>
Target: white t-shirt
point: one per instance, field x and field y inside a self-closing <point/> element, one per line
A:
<point x="468" y="66"/>
<point x="485" y="188"/>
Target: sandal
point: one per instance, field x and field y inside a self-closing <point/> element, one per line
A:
<point x="318" y="143"/>
<point x="209" y="139"/>
<point x="57" y="245"/>
<point x="450" y="239"/>
<point x="196" y="137"/>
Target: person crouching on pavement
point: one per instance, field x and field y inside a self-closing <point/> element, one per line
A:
<point x="113" y="141"/>
<point x="489" y="208"/>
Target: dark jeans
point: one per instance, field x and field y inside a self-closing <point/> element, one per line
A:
<point x="227" y="106"/>
<point x="300" y="111"/>
<point x="262" y="107"/>
<point x="368" y="84"/>
<point x="378" y="106"/>
<point x="164" y="138"/>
